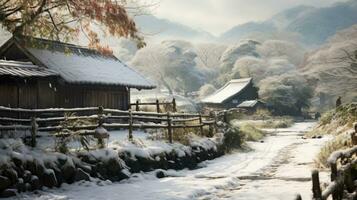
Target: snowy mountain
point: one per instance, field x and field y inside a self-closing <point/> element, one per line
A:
<point x="156" y="29"/>
<point x="312" y="25"/>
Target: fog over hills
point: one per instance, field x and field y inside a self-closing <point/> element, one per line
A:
<point x="311" y="25"/>
<point x="156" y="29"/>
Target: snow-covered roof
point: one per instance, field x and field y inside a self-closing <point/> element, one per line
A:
<point x="248" y="104"/>
<point x="230" y="89"/>
<point x="24" y="69"/>
<point x="77" y="64"/>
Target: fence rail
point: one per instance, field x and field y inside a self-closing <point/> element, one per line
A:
<point x="104" y="117"/>
<point x="341" y="165"/>
<point x="157" y="103"/>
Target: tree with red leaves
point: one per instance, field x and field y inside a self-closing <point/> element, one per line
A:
<point x="65" y="20"/>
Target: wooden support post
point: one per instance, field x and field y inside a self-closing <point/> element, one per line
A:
<point x="130" y="125"/>
<point x="137" y="108"/>
<point x="316" y="189"/>
<point x="174" y="105"/>
<point x="201" y="124"/>
<point x="157" y="106"/>
<point x="33" y="131"/>
<point x="169" y="126"/>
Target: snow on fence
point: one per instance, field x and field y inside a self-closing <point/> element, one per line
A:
<point x="341" y="164"/>
<point x="107" y="118"/>
<point x="137" y="105"/>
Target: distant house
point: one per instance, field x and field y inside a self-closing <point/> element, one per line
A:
<point x="231" y="94"/>
<point x="45" y="74"/>
<point x="250" y="106"/>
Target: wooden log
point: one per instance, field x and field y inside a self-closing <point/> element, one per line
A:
<point x="184" y="115"/>
<point x="134" y="126"/>
<point x="186" y="126"/>
<point x="8" y="119"/>
<point x="186" y="120"/>
<point x="47" y="110"/>
<point x="316" y="189"/>
<point x="14" y="127"/>
<point x="169" y="126"/>
<point x="329" y="190"/>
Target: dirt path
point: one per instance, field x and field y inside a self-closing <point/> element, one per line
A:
<point x="287" y="173"/>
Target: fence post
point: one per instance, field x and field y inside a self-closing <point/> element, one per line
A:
<point x="316" y="189"/>
<point x="174" y="105"/>
<point x="225" y="116"/>
<point x="348" y="180"/>
<point x="100" y="116"/>
<point x="137" y="108"/>
<point x="169" y="126"/>
<point x="157" y="106"/>
<point x="334" y="175"/>
<point x="210" y="128"/>
<point x="201" y="124"/>
<point x="130" y="125"/>
<point x="298" y="197"/>
<point x="33" y="131"/>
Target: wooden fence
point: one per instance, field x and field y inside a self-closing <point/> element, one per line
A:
<point x="157" y="104"/>
<point x="342" y="177"/>
<point x="52" y="120"/>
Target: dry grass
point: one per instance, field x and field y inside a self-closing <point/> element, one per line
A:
<point x="250" y="132"/>
<point x="340" y="142"/>
<point x="336" y="122"/>
<point x="285" y="122"/>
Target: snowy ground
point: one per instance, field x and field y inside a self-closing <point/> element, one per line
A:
<point x="278" y="168"/>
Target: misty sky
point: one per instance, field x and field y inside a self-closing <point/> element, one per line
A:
<point x="217" y="16"/>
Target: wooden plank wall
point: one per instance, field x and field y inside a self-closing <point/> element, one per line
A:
<point x="72" y="96"/>
<point x="46" y="93"/>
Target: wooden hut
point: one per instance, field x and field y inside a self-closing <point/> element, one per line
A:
<point x="231" y="94"/>
<point x="251" y="106"/>
<point x="45" y="74"/>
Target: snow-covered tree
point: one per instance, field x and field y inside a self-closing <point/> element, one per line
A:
<point x="292" y="52"/>
<point x="206" y="90"/>
<point x="286" y="94"/>
<point x="172" y="64"/>
<point x="332" y="69"/>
